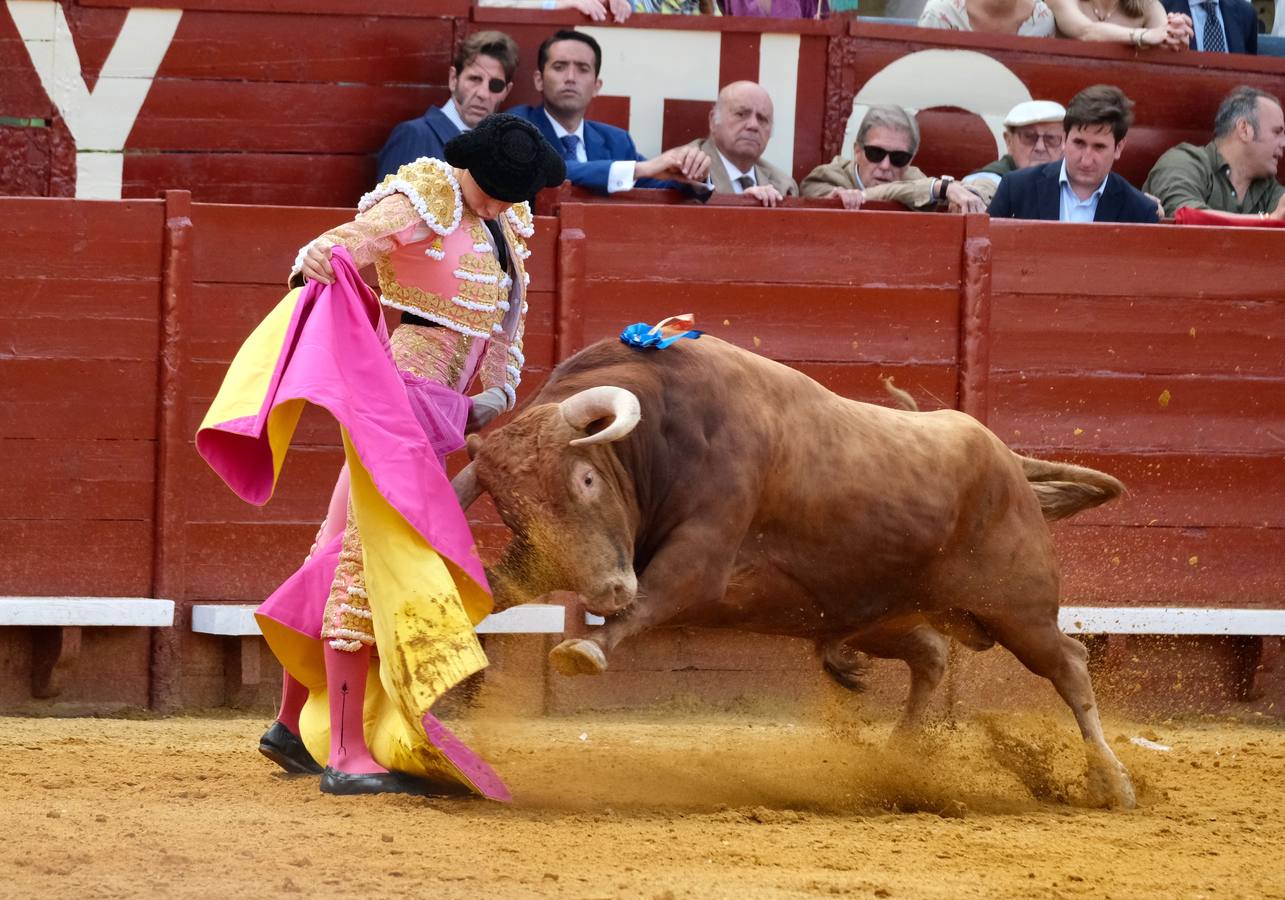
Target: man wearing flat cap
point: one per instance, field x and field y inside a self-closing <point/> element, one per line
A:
<point x="1033" y="136"/>
<point x="448" y="240"/>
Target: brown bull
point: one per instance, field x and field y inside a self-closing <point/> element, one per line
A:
<point x="704" y="485"/>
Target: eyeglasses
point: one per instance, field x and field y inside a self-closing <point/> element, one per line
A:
<point x="1052" y="140"/>
<point x="875" y="154"/>
<point x="497" y="85"/>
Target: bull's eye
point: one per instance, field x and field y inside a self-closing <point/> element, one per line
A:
<point x="588" y="479"/>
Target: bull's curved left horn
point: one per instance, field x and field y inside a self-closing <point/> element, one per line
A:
<point x="595" y="403"/>
<point x="466" y="486"/>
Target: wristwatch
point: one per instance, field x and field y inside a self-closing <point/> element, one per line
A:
<point x="944" y="181"/>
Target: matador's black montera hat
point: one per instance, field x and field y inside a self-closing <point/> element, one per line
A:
<point x="507" y="157"/>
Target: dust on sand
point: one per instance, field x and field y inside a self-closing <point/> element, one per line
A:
<point x="685" y="804"/>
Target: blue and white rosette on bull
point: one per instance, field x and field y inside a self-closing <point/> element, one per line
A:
<point x="642" y="336"/>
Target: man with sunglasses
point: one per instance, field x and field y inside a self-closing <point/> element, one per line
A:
<point x="1033" y="136"/>
<point x="880" y="167"/>
<point x="480" y="77"/>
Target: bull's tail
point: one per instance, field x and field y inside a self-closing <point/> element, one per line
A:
<point x="1064" y="490"/>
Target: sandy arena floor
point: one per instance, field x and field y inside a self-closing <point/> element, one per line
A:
<point x="700" y="805"/>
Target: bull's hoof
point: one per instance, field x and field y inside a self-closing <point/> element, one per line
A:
<point x="578" y="657"/>
<point x="1110" y="786"/>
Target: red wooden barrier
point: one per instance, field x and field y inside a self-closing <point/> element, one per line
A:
<point x="1133" y="349"/>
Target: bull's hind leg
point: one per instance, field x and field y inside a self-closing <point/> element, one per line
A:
<point x="1047" y="652"/>
<point x="921" y="647"/>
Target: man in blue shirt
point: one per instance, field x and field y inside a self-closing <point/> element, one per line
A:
<point x="1082" y="187"/>
<point x="598" y="156"/>
<point x="480" y="77"/>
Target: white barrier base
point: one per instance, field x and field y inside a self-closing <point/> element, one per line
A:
<point x="86" y="611"/>
<point x="1170" y="620"/>
<point x="238" y="620"/>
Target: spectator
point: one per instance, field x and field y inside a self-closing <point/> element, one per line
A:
<point x="596" y="10"/>
<point x="598" y="156"/>
<point x="1082" y="187"/>
<point x="880" y="169"/>
<point x="740" y="126"/>
<point x="1033" y="136"/>
<point x="1031" y="18"/>
<point x="1236" y="171"/>
<point x="778" y="9"/>
<point x="480" y="77"/>
<point x="1220" y="26"/>
<point x="1142" y="23"/>
<point x="678" y="7"/>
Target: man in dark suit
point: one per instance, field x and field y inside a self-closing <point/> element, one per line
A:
<point x="598" y="156"/>
<point x="1082" y="187"/>
<point x="1220" y="26"/>
<point x="480" y="77"/>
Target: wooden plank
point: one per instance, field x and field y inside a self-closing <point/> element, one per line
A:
<point x="303" y="490"/>
<point x="97" y="333"/>
<point x="264" y="47"/>
<point x="1185" y="489"/>
<point x="1130" y="261"/>
<point x="75" y="479"/>
<point x="89" y="295"/>
<point x="78" y="399"/>
<point x="401" y="8"/>
<point x="243" y="561"/>
<point x="246" y="245"/>
<point x="57" y="238"/>
<point x="77" y="557"/>
<point x="653" y="244"/>
<point x="137" y="612"/>
<point x="238" y="620"/>
<point x="789" y="321"/>
<point x="182" y="114"/>
<point x="1101" y="413"/>
<point x="1141" y="334"/>
<point x="277" y="179"/>
<point x="1215" y="567"/>
<point x="933" y="387"/>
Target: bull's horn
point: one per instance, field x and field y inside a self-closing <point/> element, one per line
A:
<point x="467" y="490"/>
<point x="597" y="403"/>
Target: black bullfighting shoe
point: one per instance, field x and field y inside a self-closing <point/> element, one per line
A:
<point x="335" y="782"/>
<point x="284" y="748"/>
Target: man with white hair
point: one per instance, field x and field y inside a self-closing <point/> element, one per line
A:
<point x="740" y="126"/>
<point x="880" y="169"/>
<point x="1033" y="136"/>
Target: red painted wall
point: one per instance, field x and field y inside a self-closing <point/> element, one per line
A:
<point x="288" y="106"/>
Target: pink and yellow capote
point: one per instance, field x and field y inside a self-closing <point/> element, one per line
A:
<point x="327" y="344"/>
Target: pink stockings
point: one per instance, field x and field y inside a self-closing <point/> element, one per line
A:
<point x="346" y="672"/>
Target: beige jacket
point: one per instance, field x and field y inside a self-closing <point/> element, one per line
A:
<point x="912" y="190"/>
<point x="764" y="173"/>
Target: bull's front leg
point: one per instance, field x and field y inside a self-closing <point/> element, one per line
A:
<point x="682" y="574"/>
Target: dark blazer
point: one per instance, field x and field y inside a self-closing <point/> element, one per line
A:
<point x="1239" y="22"/>
<point x="425" y="136"/>
<point x="1035" y="193"/>
<point x="603" y="145"/>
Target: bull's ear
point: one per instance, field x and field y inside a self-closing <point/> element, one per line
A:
<point x="473" y="444"/>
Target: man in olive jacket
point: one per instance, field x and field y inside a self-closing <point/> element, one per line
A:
<point x="740" y="126"/>
<point x="1236" y="171"/>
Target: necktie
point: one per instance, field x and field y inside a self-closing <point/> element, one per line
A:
<point x="1214" y="40"/>
<point x="569" y="144"/>
<point x="745" y="181"/>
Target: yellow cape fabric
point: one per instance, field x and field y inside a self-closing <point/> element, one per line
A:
<point x="424" y="609"/>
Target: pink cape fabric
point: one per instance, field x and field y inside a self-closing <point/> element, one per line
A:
<point x="336" y="355"/>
